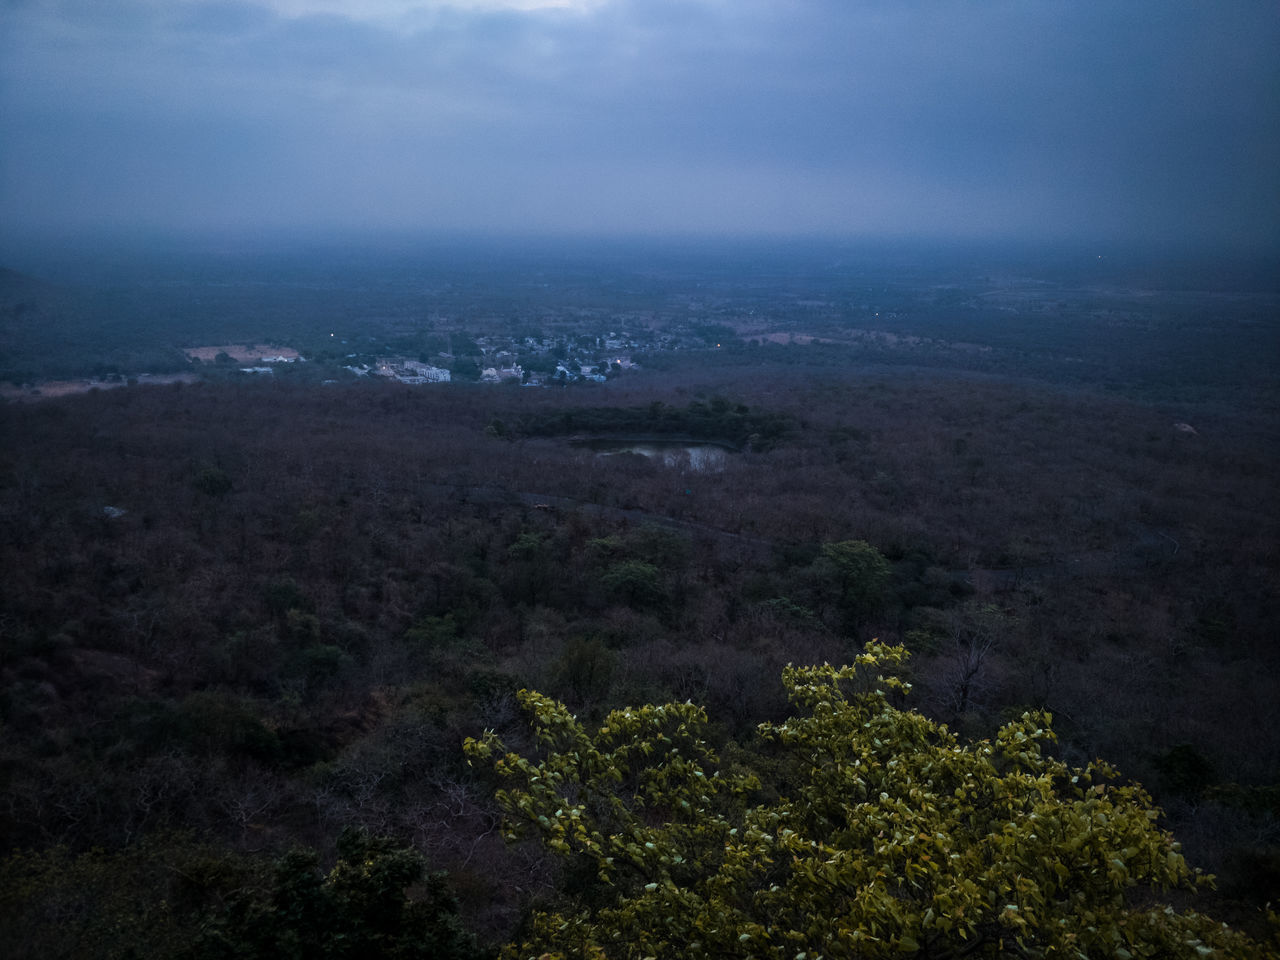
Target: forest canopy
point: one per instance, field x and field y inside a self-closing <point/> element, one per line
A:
<point x="241" y="618"/>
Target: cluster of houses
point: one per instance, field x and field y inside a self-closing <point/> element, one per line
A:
<point x="409" y="371"/>
<point x="529" y="360"/>
<point x="403" y="369"/>
<point x="580" y="360"/>
<point x="499" y="361"/>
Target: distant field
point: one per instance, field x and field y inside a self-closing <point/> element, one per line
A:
<point x="64" y="388"/>
<point x="240" y="353"/>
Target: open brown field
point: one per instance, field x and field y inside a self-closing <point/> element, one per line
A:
<point x="241" y="353"/>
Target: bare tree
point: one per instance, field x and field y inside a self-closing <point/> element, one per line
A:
<point x="976" y="629"/>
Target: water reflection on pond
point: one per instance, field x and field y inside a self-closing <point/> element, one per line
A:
<point x="701" y="457"/>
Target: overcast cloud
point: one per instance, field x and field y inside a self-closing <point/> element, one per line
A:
<point x="1107" y="120"/>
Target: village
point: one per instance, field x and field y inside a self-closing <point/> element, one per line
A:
<point x="526" y="361"/>
<point x="570" y="357"/>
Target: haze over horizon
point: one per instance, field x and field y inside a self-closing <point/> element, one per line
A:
<point x="1140" y="122"/>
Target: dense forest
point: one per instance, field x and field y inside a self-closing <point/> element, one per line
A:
<point x="248" y="624"/>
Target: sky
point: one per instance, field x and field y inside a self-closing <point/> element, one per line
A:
<point x="1082" y="120"/>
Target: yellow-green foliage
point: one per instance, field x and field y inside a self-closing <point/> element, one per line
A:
<point x="892" y="838"/>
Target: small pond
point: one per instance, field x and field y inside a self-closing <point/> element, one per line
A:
<point x="701" y="457"/>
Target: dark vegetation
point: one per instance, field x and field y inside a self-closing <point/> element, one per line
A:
<point x="713" y="421"/>
<point x="240" y="618"/>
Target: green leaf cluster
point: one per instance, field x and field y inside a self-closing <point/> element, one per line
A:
<point x="889" y="837"/>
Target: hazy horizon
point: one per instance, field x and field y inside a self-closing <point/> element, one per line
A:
<point x="343" y="257"/>
<point x="1143" y="125"/>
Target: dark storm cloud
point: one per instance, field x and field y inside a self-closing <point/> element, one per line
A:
<point x="1137" y="120"/>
